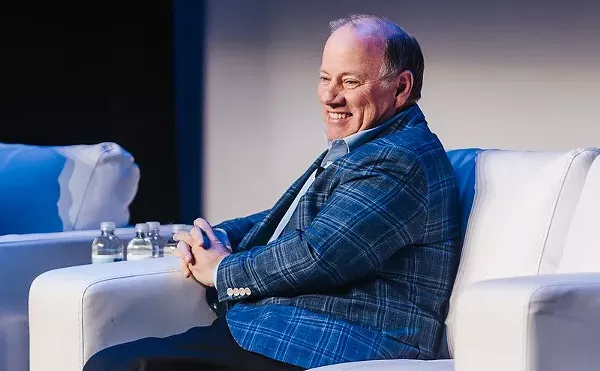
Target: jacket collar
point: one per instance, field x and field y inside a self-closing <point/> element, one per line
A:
<point x="409" y="116"/>
<point x="338" y="148"/>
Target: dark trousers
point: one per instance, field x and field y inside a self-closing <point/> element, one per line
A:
<point x="200" y="348"/>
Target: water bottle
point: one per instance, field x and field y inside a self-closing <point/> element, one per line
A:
<point x="171" y="244"/>
<point x="141" y="246"/>
<point x="157" y="240"/>
<point x="107" y="247"/>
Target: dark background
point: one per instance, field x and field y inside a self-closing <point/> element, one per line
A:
<point x="90" y="72"/>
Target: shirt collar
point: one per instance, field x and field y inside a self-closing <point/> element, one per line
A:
<point x="341" y="147"/>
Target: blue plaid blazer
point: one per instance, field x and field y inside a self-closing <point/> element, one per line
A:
<point x="364" y="268"/>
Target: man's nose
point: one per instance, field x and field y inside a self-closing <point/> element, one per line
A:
<point x="331" y="96"/>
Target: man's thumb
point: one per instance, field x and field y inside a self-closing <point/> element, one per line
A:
<point x="203" y="225"/>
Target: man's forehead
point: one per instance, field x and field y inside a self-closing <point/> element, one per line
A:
<point x="347" y="45"/>
<point x="348" y="37"/>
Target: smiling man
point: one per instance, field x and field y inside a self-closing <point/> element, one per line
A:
<point x="356" y="260"/>
<point x="360" y="87"/>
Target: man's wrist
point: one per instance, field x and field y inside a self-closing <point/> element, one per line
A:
<point x="216" y="270"/>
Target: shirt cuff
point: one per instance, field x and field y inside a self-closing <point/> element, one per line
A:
<point x="215" y="273"/>
<point x="222" y="236"/>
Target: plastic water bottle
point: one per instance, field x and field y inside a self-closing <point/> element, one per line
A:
<point x="171" y="244"/>
<point x="157" y="240"/>
<point x="107" y="247"/>
<point x="140" y="247"/>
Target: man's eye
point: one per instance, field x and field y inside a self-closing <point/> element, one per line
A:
<point x="324" y="79"/>
<point x="351" y="83"/>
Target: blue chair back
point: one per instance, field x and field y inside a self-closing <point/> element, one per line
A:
<point x="463" y="162"/>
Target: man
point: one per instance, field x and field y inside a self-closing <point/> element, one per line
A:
<point x="356" y="260"/>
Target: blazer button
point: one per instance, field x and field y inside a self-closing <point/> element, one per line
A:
<point x="236" y="291"/>
<point x="230" y="291"/>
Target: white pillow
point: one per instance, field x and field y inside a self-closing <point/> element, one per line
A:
<point x="97" y="184"/>
<point x="54" y="189"/>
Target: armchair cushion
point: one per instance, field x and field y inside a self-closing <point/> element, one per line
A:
<point x="53" y="189"/>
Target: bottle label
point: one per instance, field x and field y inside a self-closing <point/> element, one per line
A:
<point x="103" y="259"/>
<point x="138" y="257"/>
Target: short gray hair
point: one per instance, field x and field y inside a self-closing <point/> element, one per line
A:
<point x="402" y="51"/>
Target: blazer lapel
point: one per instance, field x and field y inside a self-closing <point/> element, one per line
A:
<point x="261" y="232"/>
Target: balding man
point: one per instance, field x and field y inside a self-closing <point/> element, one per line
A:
<point x="356" y="260"/>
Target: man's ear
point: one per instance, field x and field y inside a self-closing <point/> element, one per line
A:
<point x="404" y="87"/>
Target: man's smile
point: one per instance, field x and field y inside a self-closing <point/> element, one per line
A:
<point x="339" y="115"/>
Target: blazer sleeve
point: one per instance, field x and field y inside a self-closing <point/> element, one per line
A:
<point x="237" y="228"/>
<point x="377" y="208"/>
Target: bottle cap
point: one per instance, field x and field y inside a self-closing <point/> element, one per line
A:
<point x="179" y="228"/>
<point x="107" y="226"/>
<point x="141" y="227"/>
<point x="153" y="226"/>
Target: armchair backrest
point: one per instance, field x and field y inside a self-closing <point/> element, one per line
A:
<point x="463" y="163"/>
<point x="582" y="246"/>
<point x="521" y="212"/>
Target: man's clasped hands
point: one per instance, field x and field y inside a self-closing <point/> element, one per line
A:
<point x="201" y="250"/>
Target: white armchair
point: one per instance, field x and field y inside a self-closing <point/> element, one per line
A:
<point x="520" y="300"/>
<point x="22" y="259"/>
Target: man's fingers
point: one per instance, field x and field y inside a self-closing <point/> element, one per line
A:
<point x="185" y="270"/>
<point x="203" y="224"/>
<point x="183" y="252"/>
<point x="185" y="258"/>
<point x="196" y="234"/>
<point x="185" y="237"/>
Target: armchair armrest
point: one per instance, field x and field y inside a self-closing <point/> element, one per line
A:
<point x="533" y="323"/>
<point x="77" y="311"/>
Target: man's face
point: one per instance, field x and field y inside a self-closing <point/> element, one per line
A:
<point x="351" y="92"/>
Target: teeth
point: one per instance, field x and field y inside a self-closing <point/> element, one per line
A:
<point x="338" y="116"/>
